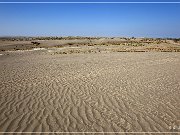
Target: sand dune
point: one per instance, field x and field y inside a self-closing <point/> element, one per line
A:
<point x="102" y="92"/>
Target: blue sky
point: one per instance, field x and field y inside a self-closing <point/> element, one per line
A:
<point x="138" y="20"/>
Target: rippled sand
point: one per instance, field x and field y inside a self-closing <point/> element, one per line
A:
<point x="102" y="92"/>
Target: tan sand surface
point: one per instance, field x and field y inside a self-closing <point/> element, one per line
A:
<point x="94" y="92"/>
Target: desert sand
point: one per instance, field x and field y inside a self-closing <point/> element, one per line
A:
<point x="86" y="44"/>
<point x="72" y="89"/>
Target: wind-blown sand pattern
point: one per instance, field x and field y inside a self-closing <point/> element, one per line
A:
<point x="95" y="92"/>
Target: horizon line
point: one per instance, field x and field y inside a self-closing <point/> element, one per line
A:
<point x="138" y="2"/>
<point x="30" y="36"/>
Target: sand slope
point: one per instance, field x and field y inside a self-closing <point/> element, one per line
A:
<point x="110" y="92"/>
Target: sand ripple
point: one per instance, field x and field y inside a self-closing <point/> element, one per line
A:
<point x="113" y="92"/>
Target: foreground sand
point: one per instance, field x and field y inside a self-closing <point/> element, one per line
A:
<point x="95" y="92"/>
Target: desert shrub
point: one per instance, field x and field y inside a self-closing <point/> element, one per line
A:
<point x="35" y="43"/>
<point x="70" y="43"/>
<point x="89" y="51"/>
<point x="58" y="46"/>
<point x="16" y="49"/>
<point x="176" y="40"/>
<point x="71" y="51"/>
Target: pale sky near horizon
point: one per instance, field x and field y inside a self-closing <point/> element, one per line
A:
<point x="138" y="20"/>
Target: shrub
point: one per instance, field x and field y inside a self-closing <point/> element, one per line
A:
<point x="35" y="43"/>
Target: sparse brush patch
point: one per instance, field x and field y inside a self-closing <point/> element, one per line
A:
<point x="90" y="45"/>
<point x="16" y="49"/>
<point x="177" y="50"/>
<point x="121" y="51"/>
<point x="135" y="44"/>
<point x="71" y="51"/>
<point x="131" y="44"/>
<point x="58" y="46"/>
<point x="176" y="40"/>
<point x="35" y="43"/>
<point x="60" y="53"/>
<point x="70" y="43"/>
